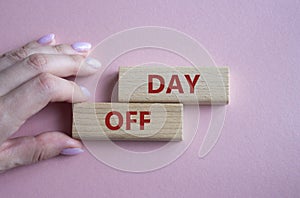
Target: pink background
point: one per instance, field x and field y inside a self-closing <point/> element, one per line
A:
<point x="257" y="153"/>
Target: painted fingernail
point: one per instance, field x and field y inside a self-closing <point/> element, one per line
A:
<point x="46" y="39"/>
<point x="85" y="91"/>
<point x="93" y="62"/>
<point x="81" y="46"/>
<point x="71" y="151"/>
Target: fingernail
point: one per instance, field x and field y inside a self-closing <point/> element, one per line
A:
<point x="81" y="46"/>
<point x="93" y="62"/>
<point x="85" y="91"/>
<point x="71" y="151"/>
<point x="72" y="143"/>
<point x="46" y="39"/>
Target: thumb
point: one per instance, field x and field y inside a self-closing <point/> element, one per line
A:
<point x="27" y="150"/>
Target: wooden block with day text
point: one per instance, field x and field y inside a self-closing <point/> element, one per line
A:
<point x="127" y="121"/>
<point x="188" y="85"/>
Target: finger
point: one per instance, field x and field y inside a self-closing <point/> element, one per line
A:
<point x="27" y="150"/>
<point x="59" y="65"/>
<point x="28" y="99"/>
<point x="16" y="55"/>
<point x="34" y="47"/>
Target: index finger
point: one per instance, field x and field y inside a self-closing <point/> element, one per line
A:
<point x="28" y="99"/>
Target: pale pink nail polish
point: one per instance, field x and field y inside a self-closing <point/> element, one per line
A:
<point x="85" y="91"/>
<point x="71" y="151"/>
<point x="94" y="63"/>
<point x="81" y="46"/>
<point x="46" y="39"/>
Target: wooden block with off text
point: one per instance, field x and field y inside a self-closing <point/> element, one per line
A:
<point x="127" y="121"/>
<point x="188" y="85"/>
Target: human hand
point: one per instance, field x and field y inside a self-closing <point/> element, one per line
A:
<point x="30" y="78"/>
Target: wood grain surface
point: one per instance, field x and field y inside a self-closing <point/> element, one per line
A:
<point x="127" y="121"/>
<point x="188" y="85"/>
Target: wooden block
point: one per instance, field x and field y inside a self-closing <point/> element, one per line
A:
<point x="203" y="85"/>
<point x="127" y="121"/>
